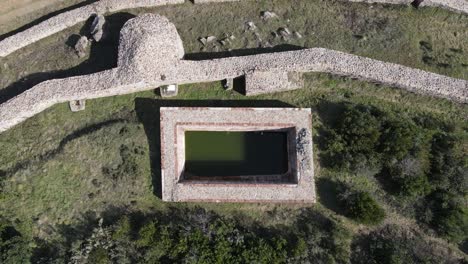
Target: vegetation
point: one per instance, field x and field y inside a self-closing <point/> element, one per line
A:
<point x="13" y="247"/>
<point x="396" y="155"/>
<point x="361" y="207"/>
<point x="414" y="160"/>
<point x="393" y="244"/>
<point x="205" y="238"/>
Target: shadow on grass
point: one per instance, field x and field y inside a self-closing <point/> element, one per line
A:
<point x="328" y="192"/>
<point x="50" y="154"/>
<point x="103" y="56"/>
<point x="44" y="18"/>
<point x="240" y="52"/>
<point x="329" y="113"/>
<point x="383" y="177"/>
<point x="148" y="114"/>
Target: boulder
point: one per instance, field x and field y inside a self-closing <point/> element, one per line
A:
<point x="284" y="32"/>
<point x="207" y="40"/>
<point x="77" y="105"/>
<point x="250" y="25"/>
<point x="81" y="46"/>
<point x="97" y="28"/>
<point x="267" y="15"/>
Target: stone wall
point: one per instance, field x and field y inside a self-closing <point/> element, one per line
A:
<point x="73" y="17"/>
<point x="70" y="18"/>
<point x="150" y="55"/>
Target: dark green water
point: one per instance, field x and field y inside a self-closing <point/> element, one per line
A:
<point x="213" y="153"/>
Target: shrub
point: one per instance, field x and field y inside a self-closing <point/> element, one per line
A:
<point x="222" y="241"/>
<point x="447" y="170"/>
<point x="98" y="256"/>
<point x="398" y="137"/>
<point x="361" y="207"/>
<point x="395" y="244"/>
<point x="449" y="216"/>
<point x="14" y="248"/>
<point x="351" y="141"/>
<point x="359" y="129"/>
<point x="407" y="177"/>
<point x="326" y="241"/>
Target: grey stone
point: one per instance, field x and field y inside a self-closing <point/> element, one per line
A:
<point x="267" y="15"/>
<point x="250" y="26"/>
<point x="207" y="40"/>
<point x="169" y="90"/>
<point x="284" y="32"/>
<point x="81" y="46"/>
<point x="97" y="27"/>
<point x="77" y="105"/>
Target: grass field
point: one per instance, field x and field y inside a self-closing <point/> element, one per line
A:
<point x="60" y="168"/>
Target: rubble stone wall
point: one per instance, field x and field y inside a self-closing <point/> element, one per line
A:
<point x="70" y="18"/>
<point x="144" y="65"/>
<point x="73" y="17"/>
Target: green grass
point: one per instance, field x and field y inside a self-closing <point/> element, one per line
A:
<point x="60" y="166"/>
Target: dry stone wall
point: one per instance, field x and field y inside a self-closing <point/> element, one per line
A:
<point x="73" y="17"/>
<point x="68" y="19"/>
<point x="150" y="55"/>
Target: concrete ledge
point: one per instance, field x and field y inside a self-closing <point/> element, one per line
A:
<point x="175" y="121"/>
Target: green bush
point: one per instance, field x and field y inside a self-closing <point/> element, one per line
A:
<point x="398" y="137"/>
<point x="221" y="242"/>
<point x="361" y="207"/>
<point x="395" y="244"/>
<point x="351" y="141"/>
<point x="449" y="216"/>
<point x="99" y="256"/>
<point x="407" y="177"/>
<point x="360" y="129"/>
<point x="447" y="169"/>
<point x="14" y="248"/>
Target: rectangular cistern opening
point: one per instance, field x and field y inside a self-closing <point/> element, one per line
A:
<point x="238" y="156"/>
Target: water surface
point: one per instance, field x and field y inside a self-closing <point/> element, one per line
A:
<point x="222" y="153"/>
